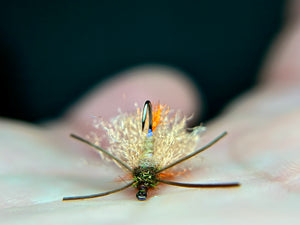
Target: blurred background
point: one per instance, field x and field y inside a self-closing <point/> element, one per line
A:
<point x="52" y="52"/>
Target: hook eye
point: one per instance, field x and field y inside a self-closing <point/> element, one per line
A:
<point x="142" y="193"/>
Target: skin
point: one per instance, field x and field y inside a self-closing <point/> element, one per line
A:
<point x="40" y="164"/>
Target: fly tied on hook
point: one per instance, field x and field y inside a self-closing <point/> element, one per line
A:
<point x="149" y="159"/>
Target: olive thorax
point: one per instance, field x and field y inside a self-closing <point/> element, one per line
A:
<point x="145" y="178"/>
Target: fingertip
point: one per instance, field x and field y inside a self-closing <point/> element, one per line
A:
<point x="157" y="83"/>
<point x="281" y="68"/>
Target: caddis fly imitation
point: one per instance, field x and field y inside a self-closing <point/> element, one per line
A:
<point x="148" y="154"/>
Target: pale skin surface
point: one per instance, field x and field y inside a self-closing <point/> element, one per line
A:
<point x="40" y="164"/>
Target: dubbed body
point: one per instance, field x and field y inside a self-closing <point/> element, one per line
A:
<point x="145" y="174"/>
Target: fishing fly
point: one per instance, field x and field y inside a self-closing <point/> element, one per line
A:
<point x="149" y="149"/>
